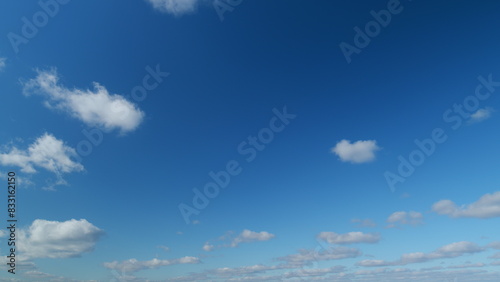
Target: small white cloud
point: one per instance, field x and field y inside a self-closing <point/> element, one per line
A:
<point x="402" y="217"/>
<point x="133" y="265"/>
<point x="349" y="238"/>
<point x="54" y="239"/>
<point x="488" y="206"/>
<point x="95" y="108"/>
<point x="46" y="152"/>
<point x="175" y="7"/>
<point x="248" y="236"/>
<point x="357" y="152"/>
<point x="196" y="222"/>
<point x="480" y="115"/>
<point x="207" y="247"/>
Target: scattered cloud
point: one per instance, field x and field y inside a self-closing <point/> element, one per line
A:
<point x="175" y="7"/>
<point x="487" y="206"/>
<point x="93" y="107"/>
<point x="54" y="239"/>
<point x="357" y="152"/>
<point x="307" y="256"/>
<point x="46" y="152"/>
<point x="133" y="265"/>
<point x="480" y="115"/>
<point x="248" y="236"/>
<point x="402" y="217"/>
<point x="349" y="238"/>
<point x="469" y="265"/>
<point x="364" y="222"/>
<point x="449" y="251"/>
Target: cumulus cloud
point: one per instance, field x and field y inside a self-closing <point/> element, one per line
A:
<point x="480" y="115"/>
<point x="349" y="238"/>
<point x="488" y="206"/>
<point x="175" y="7"/>
<point x="46" y="152"/>
<point x="402" y="217"/>
<point x="452" y="250"/>
<point x="93" y="107"/>
<point x="133" y="265"/>
<point x="54" y="239"/>
<point x="307" y="256"/>
<point x="357" y="152"/>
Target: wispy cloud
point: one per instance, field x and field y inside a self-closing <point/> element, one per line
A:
<point x="133" y="265"/>
<point x="175" y="7"/>
<point x="93" y="107"/>
<point x="364" y="222"/>
<point x="2" y="63"/>
<point x="357" y="152"/>
<point x="246" y="236"/>
<point x="449" y="251"/>
<point x="480" y="115"/>
<point x="349" y="238"/>
<point x="488" y="206"/>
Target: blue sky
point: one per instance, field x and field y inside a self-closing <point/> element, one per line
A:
<point x="349" y="141"/>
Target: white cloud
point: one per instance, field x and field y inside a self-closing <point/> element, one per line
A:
<point x="247" y="236"/>
<point x="448" y="251"/>
<point x="402" y="217"/>
<point x="480" y="115"/>
<point x="207" y="247"/>
<point x="46" y="152"/>
<point x="95" y="108"/>
<point x="349" y="238"/>
<point x="357" y="152"/>
<point x="364" y="222"/>
<point x="54" y="239"/>
<point x="133" y="265"/>
<point x="487" y="206"/>
<point x="2" y="63"/>
<point x="175" y="7"/>
<point x="306" y="256"/>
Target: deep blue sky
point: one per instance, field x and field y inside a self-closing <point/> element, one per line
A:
<point x="225" y="79"/>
